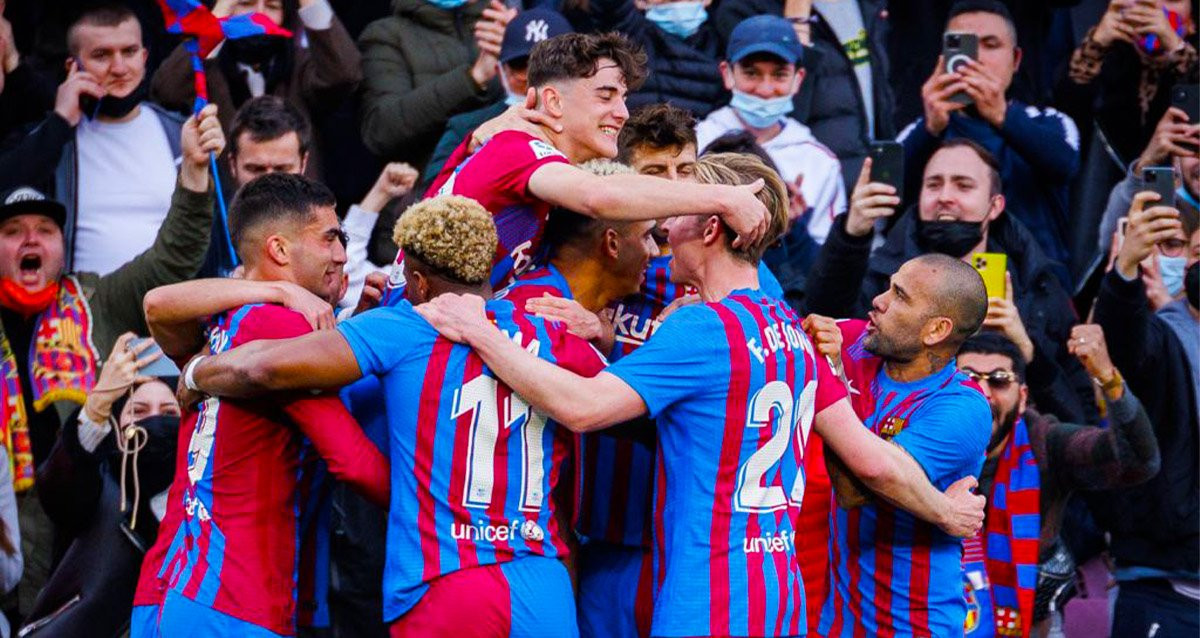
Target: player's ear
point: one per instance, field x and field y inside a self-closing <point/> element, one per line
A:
<point x="552" y="99"/>
<point x="277" y="250"/>
<point x="936" y="330"/>
<point x="610" y="243"/>
<point x="713" y="230"/>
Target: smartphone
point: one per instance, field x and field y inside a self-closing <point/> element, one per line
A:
<point x="991" y="267"/>
<point x="1161" y="180"/>
<point x="160" y="367"/>
<point x="88" y="105"/>
<point x="1186" y="97"/>
<point x="887" y="165"/>
<point x="957" y="49"/>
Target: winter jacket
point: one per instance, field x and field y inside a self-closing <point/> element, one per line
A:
<point x="684" y="72"/>
<point x="416" y="74"/>
<point x="322" y="69"/>
<point x="1038" y="152"/>
<point x="1155" y="525"/>
<point x="830" y="100"/>
<point x="847" y="276"/>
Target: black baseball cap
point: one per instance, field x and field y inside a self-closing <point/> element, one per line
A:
<point x="26" y="200"/>
<point x="527" y="29"/>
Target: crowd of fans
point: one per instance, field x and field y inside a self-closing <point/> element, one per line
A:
<point x="1039" y="153"/>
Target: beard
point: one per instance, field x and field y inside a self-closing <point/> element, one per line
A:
<point x="1002" y="423"/>
<point x="890" y="349"/>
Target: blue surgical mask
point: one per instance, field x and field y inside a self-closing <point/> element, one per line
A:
<point x="678" y="18"/>
<point x="447" y="4"/>
<point x="761" y="112"/>
<point x="1182" y="193"/>
<point x="1172" y="269"/>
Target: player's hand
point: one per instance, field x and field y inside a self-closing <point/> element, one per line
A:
<point x="826" y="336"/>
<point x="1146" y="228"/>
<point x="987" y="92"/>
<point x="120" y="371"/>
<point x="742" y="211"/>
<point x="1002" y="316"/>
<point x="519" y="117"/>
<point x="77" y="84"/>
<point x="964" y="517"/>
<point x="579" y="320"/>
<point x="868" y="202"/>
<point x="317" y="312"/>
<point x="455" y="317"/>
<point x="679" y="302"/>
<point x="935" y="97"/>
<point x="395" y="180"/>
<point x="200" y="138"/>
<point x="372" y="292"/>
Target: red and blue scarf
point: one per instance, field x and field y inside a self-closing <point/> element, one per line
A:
<point x="1001" y="567"/>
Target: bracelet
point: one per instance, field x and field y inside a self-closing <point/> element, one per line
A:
<point x="1113" y="384"/>
<point x="189" y="371"/>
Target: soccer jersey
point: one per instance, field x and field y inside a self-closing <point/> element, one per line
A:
<point x="229" y="539"/>
<point x="894" y="574"/>
<point x="497" y="176"/>
<point x="734" y="388"/>
<point x="474" y="468"/>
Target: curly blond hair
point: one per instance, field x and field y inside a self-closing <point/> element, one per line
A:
<point x="735" y="169"/>
<point x="452" y="234"/>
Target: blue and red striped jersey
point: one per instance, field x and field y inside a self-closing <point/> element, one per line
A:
<point x="474" y="468"/>
<point x="734" y="388"/>
<point x="497" y="176"/>
<point x="230" y="536"/>
<point x="894" y="574"/>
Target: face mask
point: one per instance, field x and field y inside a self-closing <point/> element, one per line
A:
<point x="678" y="18"/>
<point x="1171" y="269"/>
<point x="27" y="304"/>
<point x="256" y="50"/>
<point x="447" y="4"/>
<point x="1151" y="43"/>
<point x="949" y="238"/>
<point x="760" y="112"/>
<point x="1191" y="283"/>
<point x="1182" y="193"/>
<point x="114" y="107"/>
<point x="511" y="99"/>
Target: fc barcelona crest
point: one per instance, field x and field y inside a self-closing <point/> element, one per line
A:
<point x="892" y="426"/>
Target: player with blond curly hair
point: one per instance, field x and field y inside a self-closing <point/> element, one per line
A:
<point x="475" y="470"/>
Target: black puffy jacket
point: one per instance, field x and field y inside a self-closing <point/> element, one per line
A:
<point x="830" y="100"/>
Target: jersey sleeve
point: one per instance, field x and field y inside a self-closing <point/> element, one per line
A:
<point x="948" y="435"/>
<point x="383" y="338"/>
<point x="349" y="454"/>
<point x="504" y="166"/>
<point x="268" y="321"/>
<point x="830" y="388"/>
<point x="577" y="355"/>
<point x="679" y="360"/>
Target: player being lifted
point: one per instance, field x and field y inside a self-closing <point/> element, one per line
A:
<point x="735" y="387"/>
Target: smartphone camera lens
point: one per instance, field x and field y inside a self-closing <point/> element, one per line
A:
<point x="953" y="40"/>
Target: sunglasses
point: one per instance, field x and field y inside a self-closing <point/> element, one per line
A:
<point x="998" y="379"/>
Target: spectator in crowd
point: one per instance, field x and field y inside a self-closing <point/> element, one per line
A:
<point x="683" y="48"/>
<point x="1038" y="149"/>
<point x="1122" y="73"/>
<point x="1174" y="143"/>
<point x="1017" y="569"/>
<point x="110" y="156"/>
<point x="846" y="99"/>
<point x="315" y="71"/>
<point x="287" y="236"/>
<point x="25" y="94"/>
<point x="762" y="69"/>
<point x="104" y="485"/>
<point x="12" y="562"/>
<point x="1155" y="527"/>
<point x="961" y="211"/>
<point x="396" y="180"/>
<point x="430" y="60"/>
<point x="55" y="315"/>
<point x="526" y="29"/>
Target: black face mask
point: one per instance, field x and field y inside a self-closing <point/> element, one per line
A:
<point x="256" y="50"/>
<point x="1191" y="283"/>
<point x="949" y="238"/>
<point x="115" y="107"/>
<point x="156" y="461"/>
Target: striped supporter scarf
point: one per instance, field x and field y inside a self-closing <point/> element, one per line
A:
<point x="62" y="367"/>
<point x="1001" y="566"/>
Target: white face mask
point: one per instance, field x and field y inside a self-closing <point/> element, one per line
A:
<point x="510" y="98"/>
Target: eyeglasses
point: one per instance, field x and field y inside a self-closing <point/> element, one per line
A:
<point x="1172" y="247"/>
<point x="998" y="379"/>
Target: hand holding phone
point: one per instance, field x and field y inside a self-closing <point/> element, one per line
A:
<point x="958" y="50"/>
<point x="992" y="268"/>
<point x="887" y="165"/>
<point x="1160" y="180"/>
<point x="78" y="95"/>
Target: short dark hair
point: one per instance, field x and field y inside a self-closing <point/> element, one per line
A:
<point x="958" y="294"/>
<point x="996" y="343"/>
<point x="993" y="164"/>
<point x="658" y="126"/>
<point x="107" y="14"/>
<point x="269" y="117"/>
<point x="740" y="141"/>
<point x="574" y="56"/>
<point x="274" y="197"/>
<point x="984" y="6"/>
